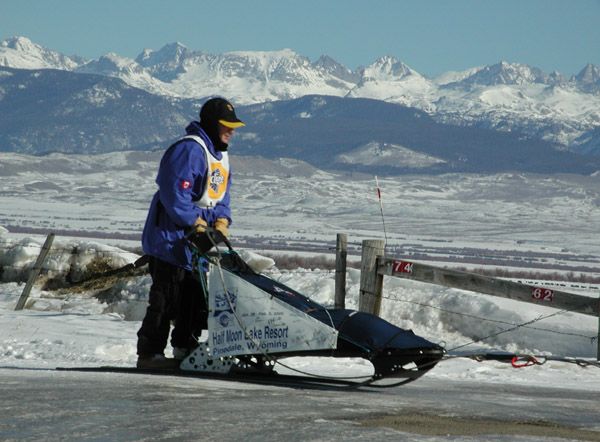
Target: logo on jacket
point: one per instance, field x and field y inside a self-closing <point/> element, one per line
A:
<point x="185" y="184"/>
<point x="216" y="180"/>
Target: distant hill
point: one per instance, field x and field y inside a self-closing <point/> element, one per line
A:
<point x="320" y="129"/>
<point x="60" y="111"/>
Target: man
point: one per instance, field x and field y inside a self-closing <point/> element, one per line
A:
<point x="193" y="193"/>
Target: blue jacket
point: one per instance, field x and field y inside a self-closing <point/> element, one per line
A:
<point x="181" y="180"/>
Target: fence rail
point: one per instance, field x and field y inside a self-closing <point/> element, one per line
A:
<point x="490" y="286"/>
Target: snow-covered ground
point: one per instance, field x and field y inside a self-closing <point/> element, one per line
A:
<point x="529" y="221"/>
<point x="517" y="213"/>
<point x="73" y="327"/>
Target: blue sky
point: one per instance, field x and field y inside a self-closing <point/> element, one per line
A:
<point x="431" y="36"/>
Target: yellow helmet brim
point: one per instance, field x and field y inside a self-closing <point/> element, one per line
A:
<point x="231" y="124"/>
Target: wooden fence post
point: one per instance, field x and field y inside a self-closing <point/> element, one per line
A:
<point x="35" y="271"/>
<point x="371" y="282"/>
<point x="341" y="253"/>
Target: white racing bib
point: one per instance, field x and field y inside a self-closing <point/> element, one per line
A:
<point x="217" y="176"/>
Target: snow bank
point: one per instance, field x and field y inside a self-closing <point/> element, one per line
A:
<point x="67" y="259"/>
<point x="98" y="326"/>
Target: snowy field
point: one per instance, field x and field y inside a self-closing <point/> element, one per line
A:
<point x="287" y="201"/>
<point x="542" y="222"/>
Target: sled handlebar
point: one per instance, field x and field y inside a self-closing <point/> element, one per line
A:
<point x="206" y="240"/>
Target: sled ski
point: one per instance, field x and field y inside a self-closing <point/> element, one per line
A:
<point x="251" y="377"/>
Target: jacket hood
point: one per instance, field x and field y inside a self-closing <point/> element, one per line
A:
<point x="194" y="128"/>
<point x="211" y="128"/>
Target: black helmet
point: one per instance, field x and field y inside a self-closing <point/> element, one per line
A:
<point x="214" y="112"/>
<point x="220" y="110"/>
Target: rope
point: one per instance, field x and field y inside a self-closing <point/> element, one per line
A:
<point x="533" y="321"/>
<point x="516" y="360"/>
<point x="453" y="312"/>
<point x="528" y="361"/>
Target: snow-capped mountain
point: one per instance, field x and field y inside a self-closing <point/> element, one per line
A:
<point x="166" y="63"/>
<point x="589" y="78"/>
<point x="455" y="76"/>
<point x="506" y="96"/>
<point x="113" y="65"/>
<point x="337" y="70"/>
<point x="505" y="73"/>
<point x="22" y="53"/>
<point x="90" y="113"/>
<point x="391" y="80"/>
<point x="245" y="77"/>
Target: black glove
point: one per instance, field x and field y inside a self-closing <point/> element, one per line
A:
<point x="205" y="241"/>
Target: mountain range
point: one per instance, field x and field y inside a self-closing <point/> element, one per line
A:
<point x="509" y="98"/>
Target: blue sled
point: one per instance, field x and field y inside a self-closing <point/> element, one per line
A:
<point x="393" y="351"/>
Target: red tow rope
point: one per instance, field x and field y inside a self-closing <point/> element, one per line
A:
<point x="524" y="361"/>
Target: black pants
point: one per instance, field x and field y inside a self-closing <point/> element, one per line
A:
<point x="176" y="294"/>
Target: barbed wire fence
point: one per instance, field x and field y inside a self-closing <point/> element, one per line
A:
<point x="63" y="262"/>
